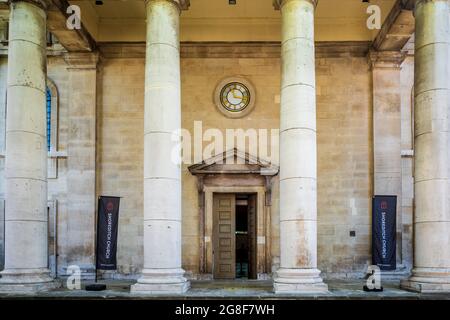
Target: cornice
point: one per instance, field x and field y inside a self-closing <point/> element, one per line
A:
<point x="386" y="59"/>
<point x="236" y="49"/>
<point x="82" y="60"/>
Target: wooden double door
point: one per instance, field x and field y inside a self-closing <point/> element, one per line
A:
<point x="225" y="233"/>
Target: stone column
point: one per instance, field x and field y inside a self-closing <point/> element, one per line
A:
<point x="431" y="272"/>
<point x="162" y="271"/>
<point x="298" y="153"/>
<point x="3" y="76"/>
<point x="387" y="147"/>
<point x="26" y="260"/>
<point x="79" y="218"/>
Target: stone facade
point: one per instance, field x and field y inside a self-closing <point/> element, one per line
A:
<point x="344" y="153"/>
<point x="407" y="118"/>
<point x="345" y="112"/>
<point x="344" y="164"/>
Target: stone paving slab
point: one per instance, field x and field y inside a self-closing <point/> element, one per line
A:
<point x="259" y="290"/>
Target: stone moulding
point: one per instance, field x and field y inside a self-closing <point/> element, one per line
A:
<point x="386" y="59"/>
<point x="257" y="175"/>
<point x="325" y="49"/>
<point x="216" y="165"/>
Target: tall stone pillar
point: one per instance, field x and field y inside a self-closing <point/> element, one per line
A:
<point x="431" y="272"/>
<point x="387" y="147"/>
<point x="162" y="271"/>
<point x="298" y="152"/>
<point x="26" y="260"/>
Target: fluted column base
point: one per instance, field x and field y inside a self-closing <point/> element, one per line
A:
<point x="299" y="281"/>
<point x="428" y="280"/>
<point x="161" y="281"/>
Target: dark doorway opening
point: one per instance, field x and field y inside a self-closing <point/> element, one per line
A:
<point x="245" y="236"/>
<point x="241" y="239"/>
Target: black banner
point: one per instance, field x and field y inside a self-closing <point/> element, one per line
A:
<point x="107" y="227"/>
<point x="384" y="230"/>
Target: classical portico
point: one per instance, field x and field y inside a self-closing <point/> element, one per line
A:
<point x="127" y="98"/>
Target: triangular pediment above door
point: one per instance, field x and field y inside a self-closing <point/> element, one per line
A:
<point x="234" y="162"/>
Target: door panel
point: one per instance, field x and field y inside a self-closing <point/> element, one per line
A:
<point x="252" y="245"/>
<point x="224" y="236"/>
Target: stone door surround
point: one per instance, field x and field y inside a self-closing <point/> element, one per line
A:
<point x="216" y="176"/>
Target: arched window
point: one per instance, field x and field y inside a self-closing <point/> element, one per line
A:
<point x="51" y="108"/>
<point x="49" y="119"/>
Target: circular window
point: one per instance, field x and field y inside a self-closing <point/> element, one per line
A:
<point x="234" y="97"/>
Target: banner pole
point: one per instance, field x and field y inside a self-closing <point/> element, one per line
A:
<point x="96" y="239"/>
<point x="105" y="252"/>
<point x="96" y="286"/>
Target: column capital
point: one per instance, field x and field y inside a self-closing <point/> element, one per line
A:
<point x="43" y="4"/>
<point x="416" y="2"/>
<point x="181" y="4"/>
<point x="277" y="4"/>
<point x="413" y="4"/>
<point x="386" y="59"/>
<point x="82" y="60"/>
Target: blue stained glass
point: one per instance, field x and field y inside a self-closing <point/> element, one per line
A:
<point x="49" y="117"/>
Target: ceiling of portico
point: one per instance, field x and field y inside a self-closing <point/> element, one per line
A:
<point x="216" y="20"/>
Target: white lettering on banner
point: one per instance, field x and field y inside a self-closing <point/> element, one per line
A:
<point x="383" y="235"/>
<point x="108" y="236"/>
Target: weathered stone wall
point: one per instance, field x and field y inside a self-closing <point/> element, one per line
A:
<point x="199" y="79"/>
<point x="120" y="153"/>
<point x="407" y="117"/>
<point x="75" y="222"/>
<point x="345" y="157"/>
<point x="57" y="188"/>
<point x="344" y="117"/>
<point x="81" y="160"/>
<point x="3" y="74"/>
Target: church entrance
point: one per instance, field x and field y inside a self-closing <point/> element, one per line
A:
<point x="234" y="197"/>
<point x="234" y="236"/>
